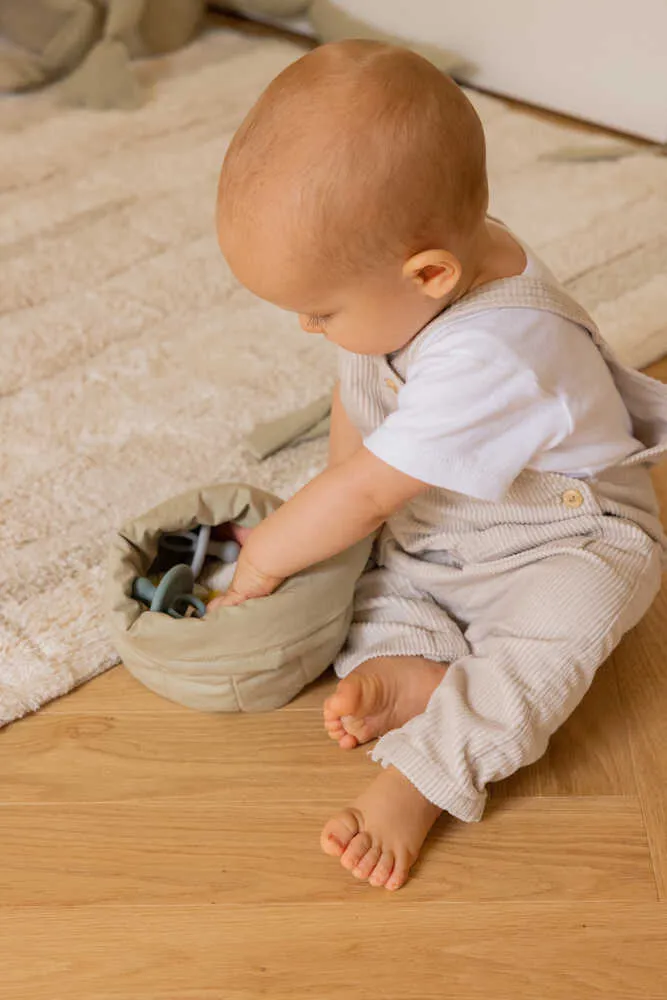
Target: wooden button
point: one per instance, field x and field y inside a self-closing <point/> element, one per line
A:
<point x="572" y="498"/>
<point x="390" y="384"/>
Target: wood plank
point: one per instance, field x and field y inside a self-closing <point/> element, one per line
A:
<point x="84" y="758"/>
<point x="396" y="951"/>
<point x="117" y="692"/>
<point x="588" y="756"/>
<point x="641" y="668"/>
<point x="246" y="852"/>
<point x="658" y="370"/>
<point x="57" y="753"/>
<point x="312" y="697"/>
<point x="112" y="693"/>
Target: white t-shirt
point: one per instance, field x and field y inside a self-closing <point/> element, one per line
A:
<point x="502" y="391"/>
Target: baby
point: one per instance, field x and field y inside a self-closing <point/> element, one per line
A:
<point x="479" y="421"/>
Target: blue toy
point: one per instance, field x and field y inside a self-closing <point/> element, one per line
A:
<point x="173" y="595"/>
<point x="197" y="545"/>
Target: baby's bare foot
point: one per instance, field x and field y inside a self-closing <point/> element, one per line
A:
<point x="380" y="695"/>
<point x="379" y="838"/>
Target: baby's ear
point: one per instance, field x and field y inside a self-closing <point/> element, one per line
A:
<point x="435" y="272"/>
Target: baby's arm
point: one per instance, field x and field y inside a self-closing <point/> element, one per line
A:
<point x="339" y="507"/>
<point x="344" y="438"/>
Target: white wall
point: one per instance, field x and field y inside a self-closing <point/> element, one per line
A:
<point x="604" y="60"/>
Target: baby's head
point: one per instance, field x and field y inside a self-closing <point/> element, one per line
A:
<point x="354" y="192"/>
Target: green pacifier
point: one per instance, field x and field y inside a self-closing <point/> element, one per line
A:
<point x="173" y="594"/>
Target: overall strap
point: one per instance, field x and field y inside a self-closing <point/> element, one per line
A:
<point x="520" y="292"/>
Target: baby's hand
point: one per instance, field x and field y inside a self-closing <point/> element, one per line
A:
<point x="248" y="582"/>
<point x="345" y="503"/>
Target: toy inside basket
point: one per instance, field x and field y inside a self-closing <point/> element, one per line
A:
<point x="254" y="657"/>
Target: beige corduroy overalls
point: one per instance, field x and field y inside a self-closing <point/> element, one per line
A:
<point x="524" y="599"/>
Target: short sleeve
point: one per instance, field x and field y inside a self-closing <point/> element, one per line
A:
<point x="468" y="421"/>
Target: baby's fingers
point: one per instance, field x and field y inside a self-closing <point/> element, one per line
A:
<point x="228" y="600"/>
<point x="232" y="598"/>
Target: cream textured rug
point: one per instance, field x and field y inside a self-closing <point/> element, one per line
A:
<point x="132" y="364"/>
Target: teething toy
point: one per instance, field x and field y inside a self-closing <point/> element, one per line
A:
<point x="196" y="545"/>
<point x="173" y="594"/>
<point x="191" y="545"/>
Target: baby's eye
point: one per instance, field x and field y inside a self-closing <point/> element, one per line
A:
<point x="318" y="319"/>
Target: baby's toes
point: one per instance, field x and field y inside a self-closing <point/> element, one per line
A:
<point x="382" y="870"/>
<point x="360" y="729"/>
<point x="338" y="833"/>
<point x="334" y="728"/>
<point x="329" y="710"/>
<point x="356" y="850"/>
<point x="398" y="877"/>
<point x="337" y="731"/>
<point x="368" y="862"/>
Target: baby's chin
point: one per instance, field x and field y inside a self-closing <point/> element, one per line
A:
<point x="373" y="347"/>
